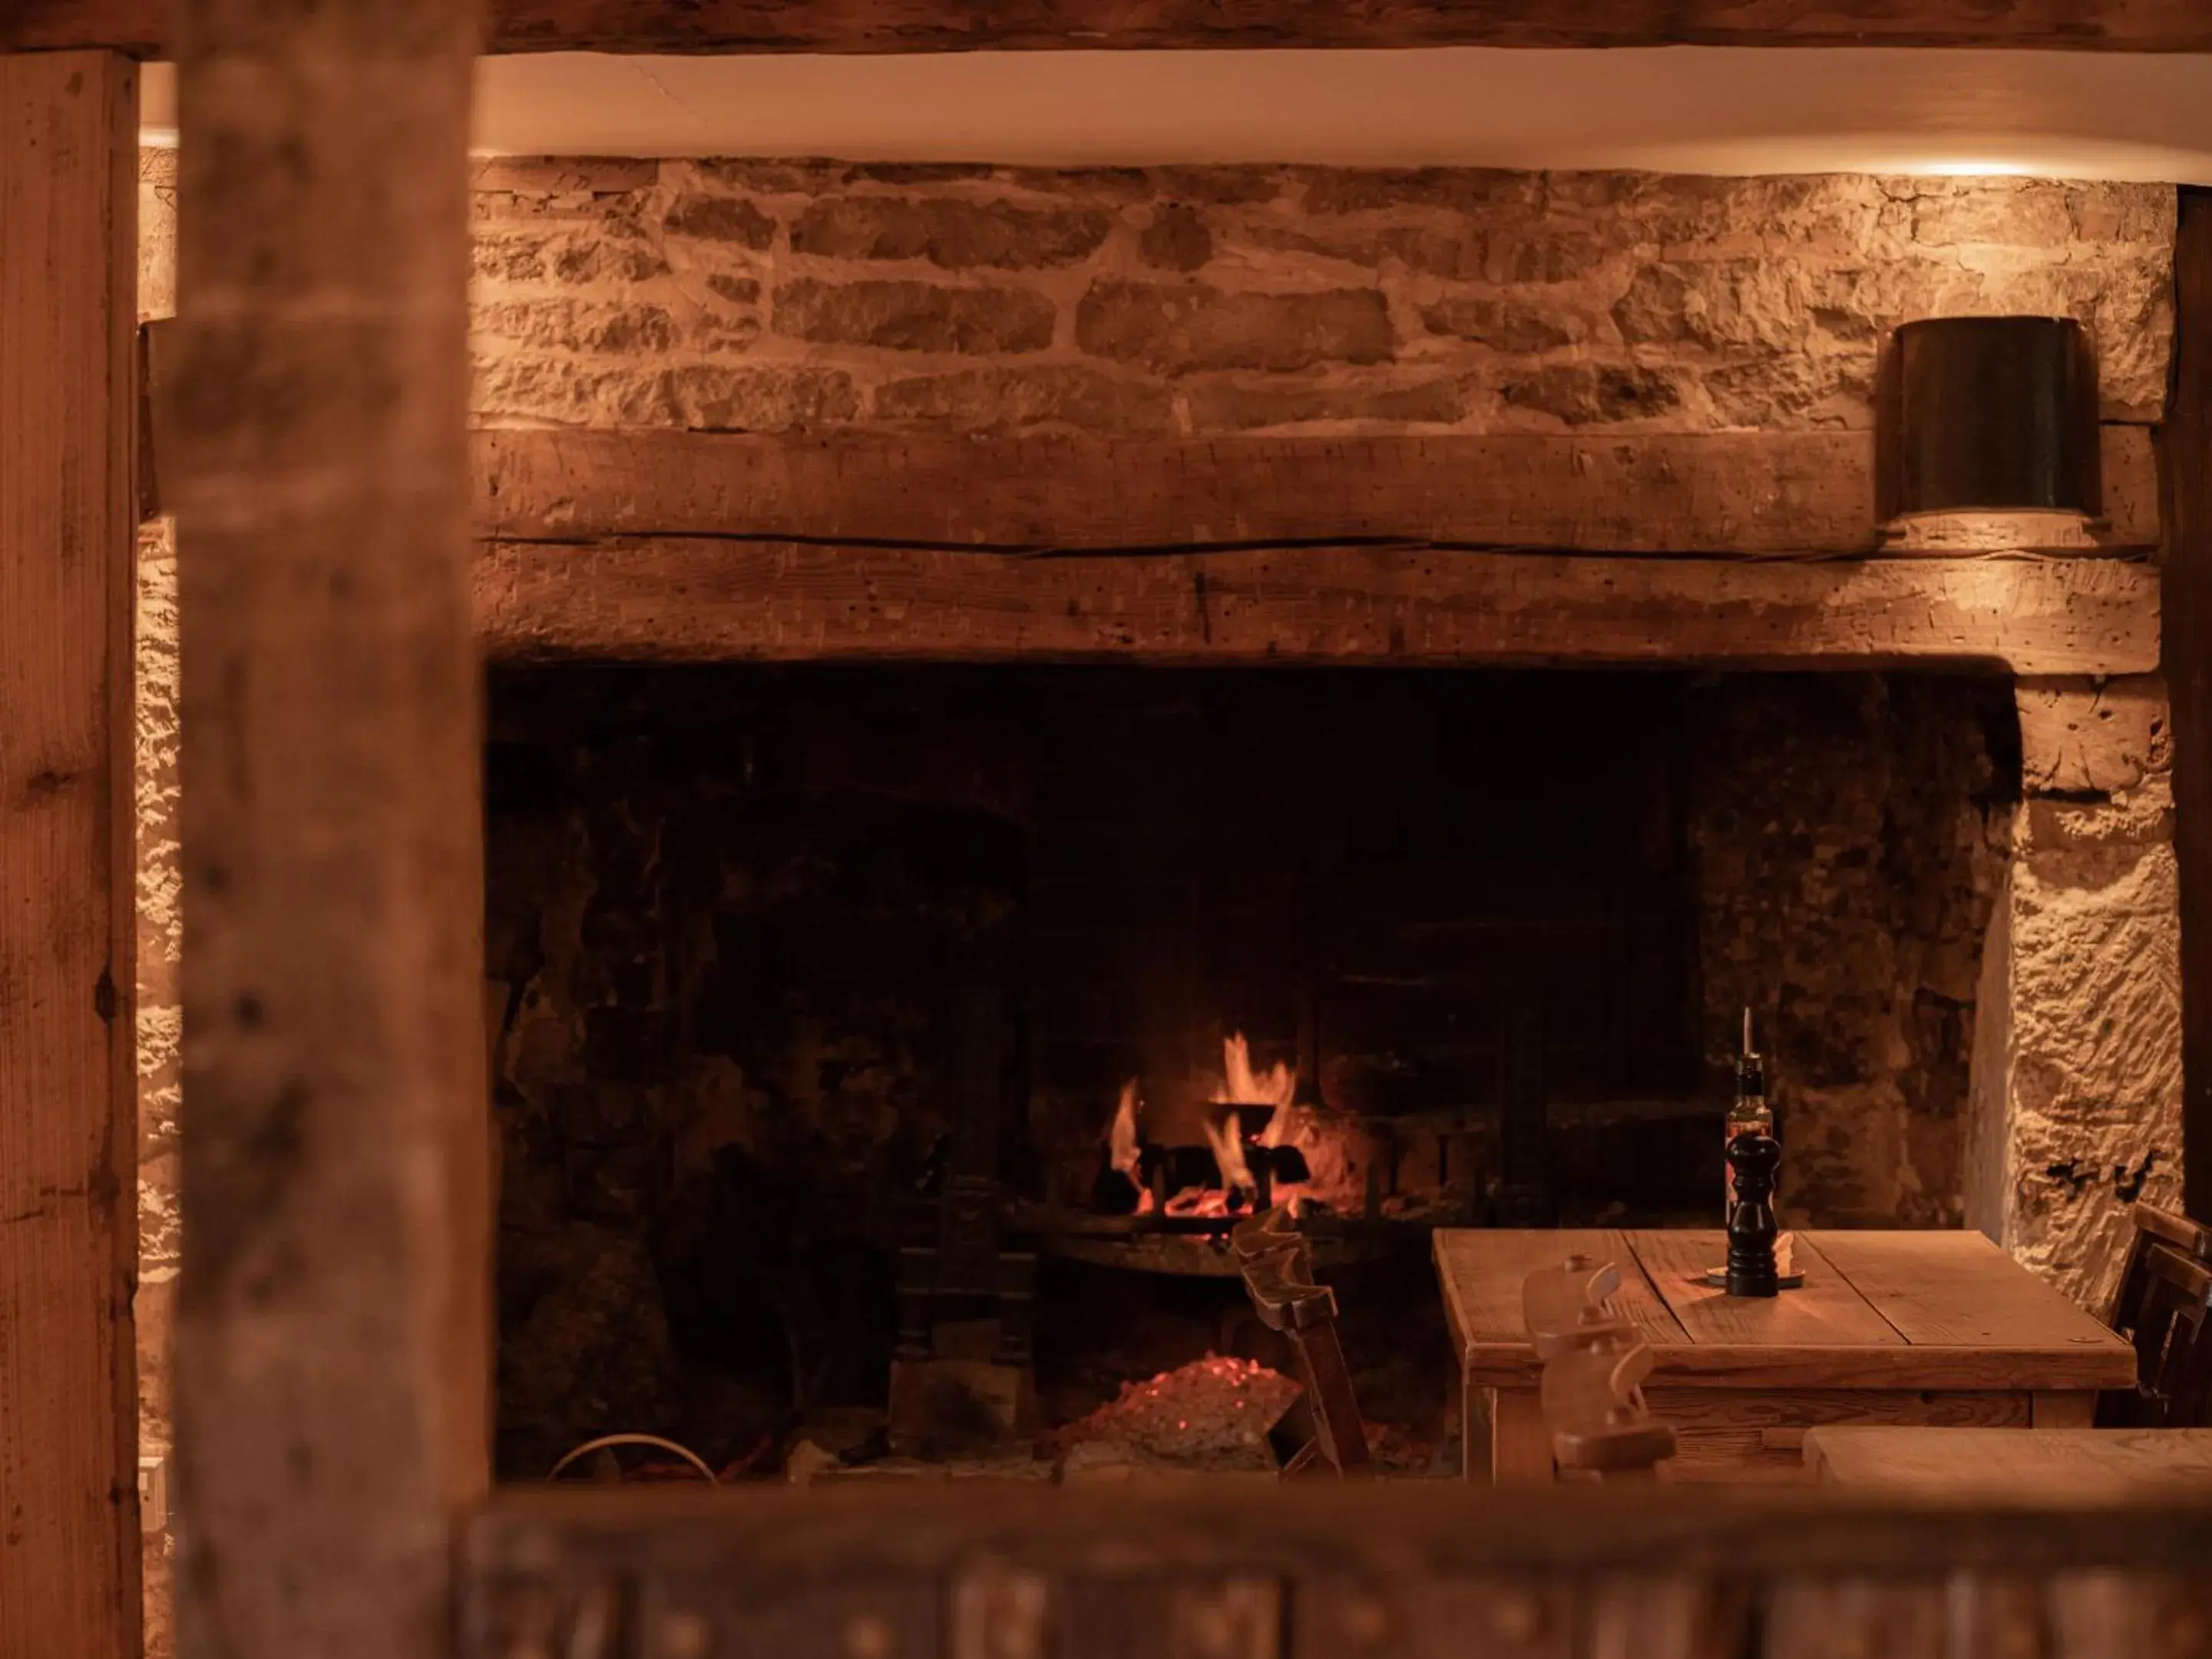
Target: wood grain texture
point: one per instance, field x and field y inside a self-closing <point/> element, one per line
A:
<point x="2124" y="1612"/>
<point x="333" y="1312"/>
<point x="1958" y="1289"/>
<point x="2065" y="1409"/>
<point x="1482" y="1273"/>
<point x="1510" y="1616"/>
<point x="680" y="600"/>
<point x="1729" y="1432"/>
<point x="1089" y="1582"/>
<point x="2176" y="1231"/>
<point x="759" y="1540"/>
<point x="1915" y="1365"/>
<point x="1666" y="1616"/>
<point x="2184" y="445"/>
<point x="2046" y="1460"/>
<point x="1520" y="1443"/>
<point x="1998" y="1616"/>
<point x="1861" y="1619"/>
<point x="1411" y="1570"/>
<point x="1847" y="1342"/>
<point x="1829" y="1311"/>
<point x="1751" y="493"/>
<point x="909" y="26"/>
<point x="68" y="1223"/>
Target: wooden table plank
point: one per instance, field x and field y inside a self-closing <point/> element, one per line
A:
<point x="1482" y="1271"/>
<point x="1898" y="1365"/>
<point x="2076" y="1462"/>
<point x="1959" y="1290"/>
<point x="1827" y="1312"/>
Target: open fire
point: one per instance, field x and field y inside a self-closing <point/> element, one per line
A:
<point x="1261" y="1148"/>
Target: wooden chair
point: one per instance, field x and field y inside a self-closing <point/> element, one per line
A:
<point x="1560" y="1302"/>
<point x="1325" y="1432"/>
<point x="1592" y="1389"/>
<point x="2162" y="1305"/>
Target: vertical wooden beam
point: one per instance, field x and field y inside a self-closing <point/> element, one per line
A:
<point x="68" y="1214"/>
<point x="2185" y="473"/>
<point x="333" y="1296"/>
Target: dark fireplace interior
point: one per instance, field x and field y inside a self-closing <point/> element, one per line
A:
<point x="788" y="966"/>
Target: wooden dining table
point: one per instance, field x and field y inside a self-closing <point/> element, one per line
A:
<point x="1929" y="1329"/>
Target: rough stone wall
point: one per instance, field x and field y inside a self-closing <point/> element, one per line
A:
<point x="159" y="1019"/>
<point x="2076" y="1108"/>
<point x="783" y="296"/>
<point x="722" y="1050"/>
<point x="1850" y="833"/>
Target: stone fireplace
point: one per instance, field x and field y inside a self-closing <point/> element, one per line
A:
<point x="1494" y="928"/>
<point x="1434" y="626"/>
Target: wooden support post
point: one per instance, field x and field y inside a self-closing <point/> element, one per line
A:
<point x="2185" y="458"/>
<point x="331" y="1379"/>
<point x="69" y="1212"/>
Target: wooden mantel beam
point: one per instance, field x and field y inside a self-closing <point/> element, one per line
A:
<point x="1742" y="493"/>
<point x="677" y="600"/>
<point x="143" y="27"/>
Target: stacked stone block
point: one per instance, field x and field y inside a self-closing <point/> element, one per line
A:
<point x="788" y="296"/>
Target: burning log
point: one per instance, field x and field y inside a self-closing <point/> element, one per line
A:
<point x="1247" y="1163"/>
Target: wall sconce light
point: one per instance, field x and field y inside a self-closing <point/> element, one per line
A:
<point x="1989" y="434"/>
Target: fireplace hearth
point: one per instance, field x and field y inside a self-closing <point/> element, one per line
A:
<point x="853" y="1021"/>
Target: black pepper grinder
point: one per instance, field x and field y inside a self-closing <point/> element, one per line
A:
<point x="1755" y="1160"/>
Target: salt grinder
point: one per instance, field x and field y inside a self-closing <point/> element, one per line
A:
<point x="1756" y="1162"/>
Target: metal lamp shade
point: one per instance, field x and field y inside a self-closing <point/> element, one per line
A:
<point x="1993" y="414"/>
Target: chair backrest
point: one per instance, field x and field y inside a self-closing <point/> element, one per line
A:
<point x="2164" y="1308"/>
<point x="1559" y="1302"/>
<point x="1591" y="1393"/>
<point x="1592" y="1403"/>
<point x="1326" y="1433"/>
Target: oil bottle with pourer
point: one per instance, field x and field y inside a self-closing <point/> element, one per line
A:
<point x="1748" y="1114"/>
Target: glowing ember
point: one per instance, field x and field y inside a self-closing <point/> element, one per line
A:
<point x="1235" y="1176"/>
<point x="1211" y="1407"/>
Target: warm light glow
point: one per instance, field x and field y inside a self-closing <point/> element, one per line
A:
<point x="1229" y="1155"/>
<point x="1967" y="167"/>
<point x="1324" y="1146"/>
<point x="1722" y="110"/>
<point x="1121" y="1146"/>
<point x="1242" y="1087"/>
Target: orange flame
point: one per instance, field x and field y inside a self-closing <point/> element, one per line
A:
<point x="1241" y="1086"/>
<point x="1229" y="1156"/>
<point x="1121" y="1138"/>
<point x="1245" y="1087"/>
<point x="1122" y="1145"/>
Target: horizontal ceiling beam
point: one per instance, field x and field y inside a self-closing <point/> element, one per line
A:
<point x="143" y="27"/>
<point x="685" y="599"/>
<point x="1748" y="493"/>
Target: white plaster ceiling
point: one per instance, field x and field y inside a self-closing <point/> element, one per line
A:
<point x="1677" y="109"/>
